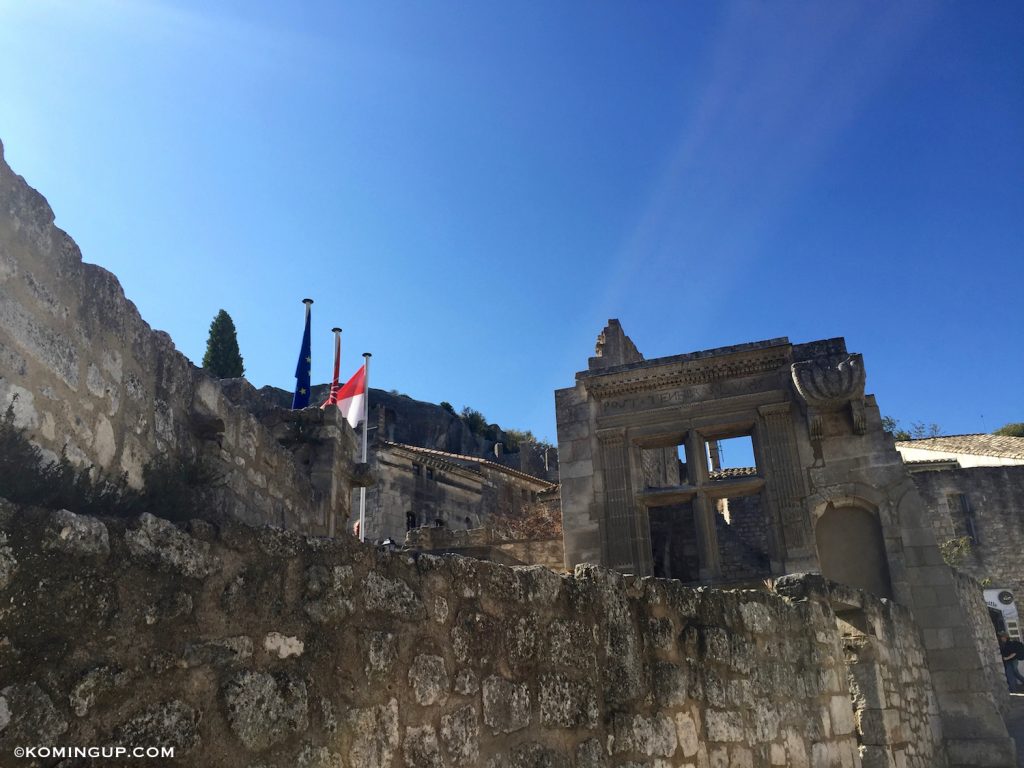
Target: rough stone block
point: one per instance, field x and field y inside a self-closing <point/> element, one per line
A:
<point x="506" y="705"/>
<point x="76" y="535"/>
<point x="428" y="679"/>
<point x="567" y="703"/>
<point x="460" y="734"/>
<point x="264" y="709"/>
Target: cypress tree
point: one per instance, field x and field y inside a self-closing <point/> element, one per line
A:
<point x="222" y="358"/>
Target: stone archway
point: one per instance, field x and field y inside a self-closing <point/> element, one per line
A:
<point x="851" y="549"/>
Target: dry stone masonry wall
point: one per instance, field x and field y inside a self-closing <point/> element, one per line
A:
<point x="257" y="647"/>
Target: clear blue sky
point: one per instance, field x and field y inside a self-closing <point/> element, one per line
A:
<point x="472" y="189"/>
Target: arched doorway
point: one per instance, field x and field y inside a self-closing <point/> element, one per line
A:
<point x="851" y="549"/>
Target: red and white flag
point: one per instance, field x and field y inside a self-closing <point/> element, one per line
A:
<point x="351" y="398"/>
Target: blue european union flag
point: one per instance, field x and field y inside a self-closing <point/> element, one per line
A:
<point x="301" y="397"/>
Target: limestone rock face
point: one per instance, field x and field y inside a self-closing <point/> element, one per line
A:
<point x="163" y="542"/>
<point x="264" y="709"/>
<point x="77" y="535"/>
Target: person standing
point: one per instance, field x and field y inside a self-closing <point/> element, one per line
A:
<point x="1012" y="651"/>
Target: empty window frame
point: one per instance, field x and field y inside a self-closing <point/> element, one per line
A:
<point x="741" y="527"/>
<point x="962" y="515"/>
<point x="663" y="467"/>
<point x="674" y="549"/>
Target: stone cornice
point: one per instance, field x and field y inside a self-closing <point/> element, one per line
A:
<point x="688" y="371"/>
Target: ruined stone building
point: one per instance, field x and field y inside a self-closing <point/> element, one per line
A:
<point x="642" y="491"/>
<point x="973" y="486"/>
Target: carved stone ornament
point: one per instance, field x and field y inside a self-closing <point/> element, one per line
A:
<point x="827" y="385"/>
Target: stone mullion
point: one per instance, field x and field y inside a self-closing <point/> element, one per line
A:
<point x="703" y="510"/>
<point x="785" y="484"/>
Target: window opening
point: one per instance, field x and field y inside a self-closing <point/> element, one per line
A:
<point x="674" y="552"/>
<point x="742" y="528"/>
<point x="730" y="457"/>
<point x="663" y="467"/>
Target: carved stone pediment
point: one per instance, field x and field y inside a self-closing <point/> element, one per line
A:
<point x="827" y="384"/>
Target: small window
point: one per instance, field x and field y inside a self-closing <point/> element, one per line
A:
<point x="416" y="469"/>
<point x="962" y="515"/>
<point x="526" y="495"/>
<point x="439" y="522"/>
<point x="430" y="473"/>
<point x="469" y="523"/>
<point x="410" y="520"/>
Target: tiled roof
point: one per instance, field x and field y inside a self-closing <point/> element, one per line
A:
<point x="978" y="445"/>
<point x="728" y="472"/>
<point x="458" y="457"/>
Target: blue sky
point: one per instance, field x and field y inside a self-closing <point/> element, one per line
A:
<point x="472" y="189"/>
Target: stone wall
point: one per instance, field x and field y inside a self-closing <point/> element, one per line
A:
<point x="837" y="497"/>
<point x="90" y="378"/>
<point x="985" y="639"/>
<point x="261" y="647"/>
<point x="895" y="711"/>
<point x="995" y="499"/>
<point x="484" y="544"/>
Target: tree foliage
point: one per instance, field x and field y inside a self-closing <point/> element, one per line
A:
<point x="537" y="521"/>
<point x="222" y="358"/>
<point x="918" y="430"/>
<point x="1015" y="429"/>
<point x="448" y="407"/>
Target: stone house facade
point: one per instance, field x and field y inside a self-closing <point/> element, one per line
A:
<point x="973" y="486"/>
<point x="417" y="487"/>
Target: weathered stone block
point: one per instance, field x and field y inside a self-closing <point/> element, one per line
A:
<point x="170" y="724"/>
<point x="162" y="542"/>
<point x="420" y="748"/>
<point x="28" y="717"/>
<point x="264" y="709"/>
<point x="567" y="703"/>
<point x="375" y="735"/>
<point x="428" y="679"/>
<point x="506" y="705"/>
<point x="652" y="736"/>
<point x="76" y="535"/>
<point x="460" y="734"/>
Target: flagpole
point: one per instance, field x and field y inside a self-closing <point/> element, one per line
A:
<point x="303" y="351"/>
<point x="366" y="429"/>
<point x="333" y="392"/>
